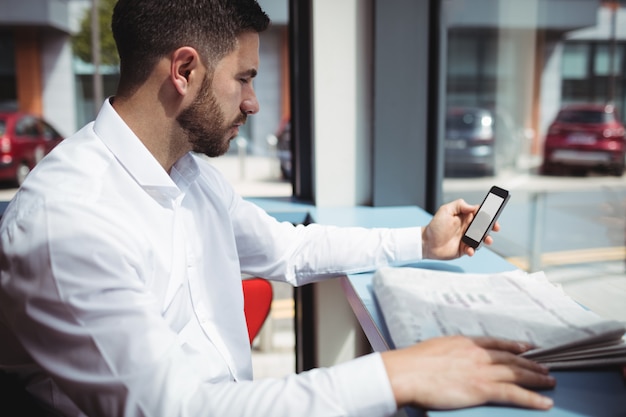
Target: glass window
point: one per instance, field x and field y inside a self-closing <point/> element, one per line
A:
<point x="8" y="91"/>
<point x="575" y="61"/>
<point x="607" y="55"/>
<point x="27" y="126"/>
<point x="49" y="132"/>
<point x="508" y="76"/>
<point x="585" y="116"/>
<point x="462" y="57"/>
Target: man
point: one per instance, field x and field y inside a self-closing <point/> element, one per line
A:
<point x="121" y="255"/>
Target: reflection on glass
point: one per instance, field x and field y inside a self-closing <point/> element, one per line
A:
<point x="511" y="68"/>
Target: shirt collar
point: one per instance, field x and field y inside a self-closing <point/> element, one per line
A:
<point x="137" y="159"/>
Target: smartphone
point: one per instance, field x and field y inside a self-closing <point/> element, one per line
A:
<point x="486" y="216"/>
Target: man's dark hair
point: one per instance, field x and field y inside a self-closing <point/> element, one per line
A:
<point x="147" y="30"/>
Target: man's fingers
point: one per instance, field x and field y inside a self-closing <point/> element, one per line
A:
<point x="506" y="393"/>
<point x="523" y="374"/>
<point x="512" y="374"/>
<point x="514" y="367"/>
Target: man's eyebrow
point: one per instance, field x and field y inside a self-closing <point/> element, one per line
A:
<point x="251" y="73"/>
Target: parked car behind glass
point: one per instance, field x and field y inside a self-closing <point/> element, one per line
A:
<point x="24" y="140"/>
<point x="283" y="135"/>
<point x="477" y="141"/>
<point x="585" y="137"/>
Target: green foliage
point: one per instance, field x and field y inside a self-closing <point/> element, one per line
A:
<point x="81" y="42"/>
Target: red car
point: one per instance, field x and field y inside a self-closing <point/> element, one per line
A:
<point x="585" y="137"/>
<point x="24" y="140"/>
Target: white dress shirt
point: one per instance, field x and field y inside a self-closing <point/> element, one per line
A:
<point x="123" y="283"/>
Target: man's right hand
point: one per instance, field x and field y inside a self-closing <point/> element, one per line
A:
<point x="456" y="371"/>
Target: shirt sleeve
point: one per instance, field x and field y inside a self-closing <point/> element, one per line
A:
<point x="359" y="387"/>
<point x="301" y="254"/>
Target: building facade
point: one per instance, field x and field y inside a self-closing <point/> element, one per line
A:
<point x="36" y="72"/>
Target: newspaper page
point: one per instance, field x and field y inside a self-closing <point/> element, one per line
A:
<point x="419" y="304"/>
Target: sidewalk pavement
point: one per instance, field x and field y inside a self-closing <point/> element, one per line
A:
<point x="253" y="176"/>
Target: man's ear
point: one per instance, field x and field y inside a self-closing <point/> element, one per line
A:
<point x="184" y="69"/>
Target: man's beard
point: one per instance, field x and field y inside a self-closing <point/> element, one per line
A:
<point x="203" y="122"/>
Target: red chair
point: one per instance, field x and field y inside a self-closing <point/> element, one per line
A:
<point x="257" y="301"/>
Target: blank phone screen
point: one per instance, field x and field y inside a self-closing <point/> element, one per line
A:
<point x="484" y="217"/>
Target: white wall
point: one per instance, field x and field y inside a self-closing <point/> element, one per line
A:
<point x="342" y="106"/>
<point x="58" y="82"/>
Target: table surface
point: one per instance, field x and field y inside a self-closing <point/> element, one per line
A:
<point x="591" y="392"/>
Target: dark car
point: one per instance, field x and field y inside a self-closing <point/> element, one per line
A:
<point x="585" y="137"/>
<point x="24" y="140"/>
<point x="283" y="146"/>
<point x="477" y="141"/>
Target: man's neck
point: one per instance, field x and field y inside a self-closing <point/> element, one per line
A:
<point x="155" y="127"/>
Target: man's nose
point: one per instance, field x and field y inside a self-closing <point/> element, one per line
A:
<point x="250" y="105"/>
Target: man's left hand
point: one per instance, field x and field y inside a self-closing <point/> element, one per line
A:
<point x="441" y="238"/>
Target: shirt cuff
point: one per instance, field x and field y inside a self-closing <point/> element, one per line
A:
<point x="408" y="243"/>
<point x="364" y="386"/>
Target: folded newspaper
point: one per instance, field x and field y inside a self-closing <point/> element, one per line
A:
<point x="418" y="304"/>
